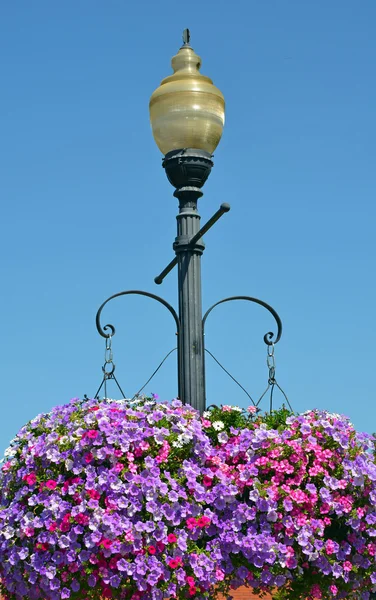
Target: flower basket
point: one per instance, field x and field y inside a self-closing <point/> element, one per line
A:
<point x="149" y="500"/>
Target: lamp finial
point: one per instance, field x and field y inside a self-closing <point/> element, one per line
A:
<point x="186" y="37"/>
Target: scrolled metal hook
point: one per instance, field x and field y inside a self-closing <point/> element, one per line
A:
<point x="110" y="327"/>
<point x="102" y="330"/>
<point x="268" y="337"/>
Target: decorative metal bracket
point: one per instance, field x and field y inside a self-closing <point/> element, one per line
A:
<point x="102" y="330"/>
<point x="268" y="337"/>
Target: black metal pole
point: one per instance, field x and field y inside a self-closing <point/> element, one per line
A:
<point x="190" y="341"/>
<point x="187" y="170"/>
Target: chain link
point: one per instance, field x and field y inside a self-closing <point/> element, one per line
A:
<point x="108" y="359"/>
<point x="270" y="361"/>
<point x="108" y="356"/>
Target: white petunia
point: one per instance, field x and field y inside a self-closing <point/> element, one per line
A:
<point x="181" y="426"/>
<point x="184" y="438"/>
<point x="136" y="401"/>
<point x="10" y="452"/>
<point x="206" y="414"/>
<point x="8" y="532"/>
<point x="218" y="425"/>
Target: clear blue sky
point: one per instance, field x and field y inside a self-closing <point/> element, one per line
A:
<point x="86" y="210"/>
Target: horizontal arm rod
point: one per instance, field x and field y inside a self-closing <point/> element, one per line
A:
<point x="224" y="208"/>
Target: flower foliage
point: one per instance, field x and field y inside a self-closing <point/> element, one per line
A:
<point x="149" y="500"/>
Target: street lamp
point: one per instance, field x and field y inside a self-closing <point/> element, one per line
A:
<point x="187" y="114"/>
<point x="187" y="111"/>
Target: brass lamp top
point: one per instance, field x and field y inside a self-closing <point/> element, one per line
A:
<point x="187" y="110"/>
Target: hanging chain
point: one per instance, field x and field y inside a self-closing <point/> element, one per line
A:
<point x="272" y="382"/>
<point x="108" y="359"/>
<point x="108" y="368"/>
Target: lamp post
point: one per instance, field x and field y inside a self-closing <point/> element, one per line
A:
<point x="187" y="115"/>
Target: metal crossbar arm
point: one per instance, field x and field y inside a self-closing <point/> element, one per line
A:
<point x="159" y="279"/>
<point x="224" y="208"/>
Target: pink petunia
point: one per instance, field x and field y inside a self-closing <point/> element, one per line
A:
<point x="88" y="457"/>
<point x="82" y="519"/>
<point x="51" y="484"/>
<point x="334" y="590"/>
<point x="191" y="523"/>
<point x="30" y="479"/>
<point x="93" y="494"/>
<point x="203" y="521"/>
<point x="41" y="547"/>
<point x="330" y="547"/>
<point x="316" y="591"/>
<point x="173" y="563"/>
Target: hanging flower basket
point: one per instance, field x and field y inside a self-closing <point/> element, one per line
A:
<point x="150" y="500"/>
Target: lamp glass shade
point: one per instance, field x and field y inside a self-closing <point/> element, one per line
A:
<point x="187" y="110"/>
